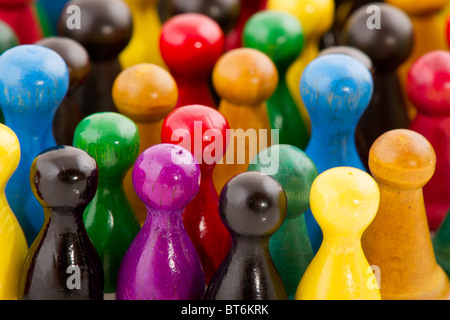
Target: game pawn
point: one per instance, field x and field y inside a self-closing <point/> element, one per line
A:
<point x="398" y="239"/>
<point x="145" y="93"/>
<point x="103" y="28"/>
<point x="280" y="36"/>
<point x="244" y="78"/>
<point x="13" y="245"/>
<point x="344" y="201"/>
<point x="62" y="263"/>
<point x="113" y="141"/>
<point x="68" y="114"/>
<point x="253" y="207"/>
<point x="290" y="247"/>
<point x="161" y="262"/>
<point x="190" y="45"/>
<point x="33" y="83"/>
<point x="387" y="109"/>
<point x="22" y="17"/>
<point x="203" y="131"/>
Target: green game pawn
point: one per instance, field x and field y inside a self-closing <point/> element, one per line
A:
<point x="290" y="246"/>
<point x="112" y="140"/>
<point x="441" y="245"/>
<point x="280" y="36"/>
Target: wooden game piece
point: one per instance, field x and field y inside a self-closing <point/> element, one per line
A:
<point x="13" y="245"/>
<point x="428" y="35"/>
<point x="62" y="263"/>
<point x="387" y="109"/>
<point x="447" y="29"/>
<point x="290" y="247"/>
<point x="146" y="93"/>
<point x="426" y="88"/>
<point x="22" y="17"/>
<point x="279" y="35"/>
<point x="33" y="82"/>
<point x="77" y="60"/>
<point x="104" y="31"/>
<point x="398" y="240"/>
<point x="336" y="90"/>
<point x="244" y="78"/>
<point x="8" y="37"/>
<point x="113" y="141"/>
<point x="144" y="43"/>
<point x="252" y="206"/>
<point x="441" y="241"/>
<point x="203" y="131"/>
<point x="316" y="18"/>
<point x="161" y="262"/>
<point x="190" y="45"/>
<point x="344" y="201"/>
<point x="49" y="12"/>
<point x="247" y="9"/>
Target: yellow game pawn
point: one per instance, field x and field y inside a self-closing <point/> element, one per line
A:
<point x="316" y="18"/>
<point x="144" y="43"/>
<point x="13" y="245"/>
<point x="244" y="78"/>
<point x="344" y="201"/>
<point x="145" y="93"/>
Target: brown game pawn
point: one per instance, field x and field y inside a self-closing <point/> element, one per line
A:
<point x="77" y="60"/>
<point x="398" y="241"/>
<point x="146" y="93"/>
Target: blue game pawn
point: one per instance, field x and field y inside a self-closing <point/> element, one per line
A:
<point x="33" y="81"/>
<point x="336" y="90"/>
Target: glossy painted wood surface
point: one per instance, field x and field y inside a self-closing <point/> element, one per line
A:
<point x="13" y="245"/>
<point x="113" y="141"/>
<point x="161" y="262"/>
<point x="280" y="36"/>
<point x="22" y="16"/>
<point x="68" y="114"/>
<point x="33" y="83"/>
<point x="344" y="201"/>
<point x="244" y="78"/>
<point x="191" y="44"/>
<point x="105" y="30"/>
<point x="145" y="93"/>
<point x="290" y="247"/>
<point x="336" y="90"/>
<point x="62" y="263"/>
<point x="398" y="240"/>
<point x="144" y="43"/>
<point x="202" y="130"/>
<point x="253" y="207"/>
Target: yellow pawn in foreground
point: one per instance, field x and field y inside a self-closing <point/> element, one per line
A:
<point x="344" y="202"/>
<point x="13" y="245"/>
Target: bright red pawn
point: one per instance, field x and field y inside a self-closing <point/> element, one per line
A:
<point x="22" y="17"/>
<point x="447" y="29"/>
<point x="428" y="87"/>
<point x="203" y="131"/>
<point x="190" y="45"/>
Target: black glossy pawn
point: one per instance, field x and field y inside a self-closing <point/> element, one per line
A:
<point x="388" y="47"/>
<point x="252" y="206"/>
<point x="62" y="263"/>
<point x="104" y="30"/>
<point x="68" y="114"/>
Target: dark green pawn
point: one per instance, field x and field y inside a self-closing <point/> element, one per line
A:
<point x="290" y="246"/>
<point x="441" y="245"/>
<point x="113" y="141"/>
<point x="280" y="36"/>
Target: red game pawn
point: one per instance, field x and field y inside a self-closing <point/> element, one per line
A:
<point x="22" y="16"/>
<point x="190" y="45"/>
<point x="428" y="87"/>
<point x="203" y="131"/>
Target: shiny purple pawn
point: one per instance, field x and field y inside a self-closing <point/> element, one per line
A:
<point x="161" y="262"/>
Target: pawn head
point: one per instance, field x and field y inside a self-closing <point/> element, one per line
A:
<point x="336" y="87"/>
<point x="166" y="177"/>
<point x="402" y="159"/>
<point x="252" y="204"/>
<point x="428" y="83"/>
<point x="111" y="139"/>
<point x="419" y="7"/>
<point x="9" y="154"/>
<point x="64" y="178"/>
<point x="8" y="37"/>
<point x="351" y="52"/>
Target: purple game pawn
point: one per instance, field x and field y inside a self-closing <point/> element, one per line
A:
<point x="161" y="262"/>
